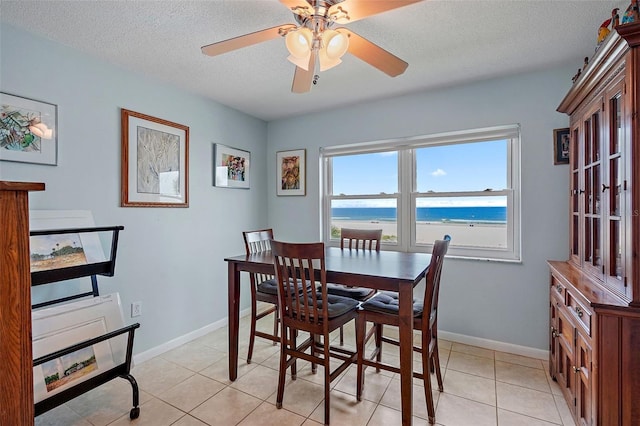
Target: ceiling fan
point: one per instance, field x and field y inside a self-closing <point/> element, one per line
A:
<point x="316" y="42"/>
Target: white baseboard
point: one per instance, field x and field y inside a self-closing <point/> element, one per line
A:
<point x="452" y="337"/>
<point x="186" y="338"/>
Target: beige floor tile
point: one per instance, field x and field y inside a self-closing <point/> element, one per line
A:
<point x="455" y="411"/>
<point x="345" y="410"/>
<point x="61" y="416"/>
<point x="385" y="416"/>
<point x="563" y="409"/>
<point x="391" y="398"/>
<point x="300" y="396"/>
<point x="106" y="403"/>
<point x="268" y="415"/>
<point x="469" y="386"/>
<point x="520" y="360"/>
<point x="471" y="364"/>
<point x="529" y="402"/>
<point x="527" y="377"/>
<point x="555" y="387"/>
<point x="310" y="422"/>
<point x="374" y="384"/>
<point x="507" y="418"/>
<point x="262" y="349"/>
<point x="259" y="382"/>
<point x="217" y="339"/>
<point x="193" y="355"/>
<point x="152" y="413"/>
<point x="219" y="370"/>
<point x="187" y="420"/>
<point x="473" y="350"/>
<point x="227" y="407"/>
<point x="192" y="392"/>
<point x="157" y="375"/>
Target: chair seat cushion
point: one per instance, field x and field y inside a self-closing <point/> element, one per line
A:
<point x="357" y="293"/>
<point x="387" y="302"/>
<point x="337" y="305"/>
<point x="271" y="286"/>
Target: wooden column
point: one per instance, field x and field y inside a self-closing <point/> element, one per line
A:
<point x="16" y="380"/>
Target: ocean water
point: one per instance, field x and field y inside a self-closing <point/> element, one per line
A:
<point x="425" y="214"/>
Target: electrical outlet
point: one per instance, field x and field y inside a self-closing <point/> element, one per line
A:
<point x="136" y="309"/>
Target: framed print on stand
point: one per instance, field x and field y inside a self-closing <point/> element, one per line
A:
<point x="561" y="146"/>
<point x="291" y="171"/>
<point x="231" y="167"/>
<point x="28" y="130"/>
<point x="155" y="162"/>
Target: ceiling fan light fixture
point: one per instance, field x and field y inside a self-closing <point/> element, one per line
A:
<point x="298" y="42"/>
<point x="335" y="45"/>
<point x="300" y="62"/>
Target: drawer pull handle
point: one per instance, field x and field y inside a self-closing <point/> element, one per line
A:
<point x="579" y="311"/>
<point x="554" y="333"/>
<point x="559" y="288"/>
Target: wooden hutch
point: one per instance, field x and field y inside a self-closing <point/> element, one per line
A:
<point x="595" y="294"/>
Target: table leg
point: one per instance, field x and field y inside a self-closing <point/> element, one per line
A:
<point x="233" y="277"/>
<point x="405" y="331"/>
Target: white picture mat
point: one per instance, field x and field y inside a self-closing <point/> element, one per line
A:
<point x="221" y="154"/>
<point x="61" y="326"/>
<point x="134" y="195"/>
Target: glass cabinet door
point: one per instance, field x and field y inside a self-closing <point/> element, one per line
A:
<point x="592" y="236"/>
<point x="576" y="193"/>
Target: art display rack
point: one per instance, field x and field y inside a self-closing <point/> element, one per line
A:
<point x="92" y="270"/>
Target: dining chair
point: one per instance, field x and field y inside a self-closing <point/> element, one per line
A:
<point x="356" y="239"/>
<point x="383" y="309"/>
<point x="263" y="289"/>
<point x="315" y="312"/>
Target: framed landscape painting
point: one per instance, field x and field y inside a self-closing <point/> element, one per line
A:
<point x="155" y="162"/>
<point x="291" y="171"/>
<point x="28" y="130"/>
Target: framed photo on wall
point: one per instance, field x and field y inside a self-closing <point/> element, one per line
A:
<point x="231" y="167"/>
<point x="28" y="130"/>
<point x="561" y="146"/>
<point x="291" y="172"/>
<point x="155" y="162"/>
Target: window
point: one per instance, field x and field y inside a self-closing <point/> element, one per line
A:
<point x="465" y="184"/>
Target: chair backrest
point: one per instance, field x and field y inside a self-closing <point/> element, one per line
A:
<point x="432" y="290"/>
<point x="295" y="263"/>
<point x="366" y="239"/>
<point x="258" y="241"/>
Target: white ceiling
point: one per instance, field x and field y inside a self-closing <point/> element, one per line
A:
<point x="445" y="43"/>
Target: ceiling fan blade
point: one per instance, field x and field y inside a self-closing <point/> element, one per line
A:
<point x="374" y="55"/>
<point x="245" y="40"/>
<point x="302" y="79"/>
<point x="353" y="10"/>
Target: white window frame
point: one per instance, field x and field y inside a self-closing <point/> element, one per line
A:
<point x="407" y="195"/>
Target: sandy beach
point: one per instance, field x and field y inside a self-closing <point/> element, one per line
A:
<point x="462" y="233"/>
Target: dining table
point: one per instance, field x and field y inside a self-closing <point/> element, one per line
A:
<point x="382" y="271"/>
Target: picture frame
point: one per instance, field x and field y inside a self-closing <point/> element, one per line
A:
<point x="561" y="146"/>
<point x="62" y="326"/>
<point x="231" y="167"/>
<point x="28" y="130"/>
<point x="291" y="172"/>
<point x="155" y="162"/>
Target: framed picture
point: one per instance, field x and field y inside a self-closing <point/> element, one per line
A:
<point x="561" y="146"/>
<point x="28" y="130"/>
<point x="231" y="167"/>
<point x="64" y="325"/>
<point x="155" y="162"/>
<point x="291" y="170"/>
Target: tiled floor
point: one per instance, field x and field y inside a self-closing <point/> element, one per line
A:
<point x="189" y="386"/>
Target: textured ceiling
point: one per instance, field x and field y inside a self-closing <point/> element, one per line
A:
<point x="445" y="43"/>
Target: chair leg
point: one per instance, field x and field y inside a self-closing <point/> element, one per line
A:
<point x="294" y="345"/>
<point x="426" y="378"/>
<point x="282" y="371"/>
<point x="275" y="325"/>
<point x="252" y="332"/>
<point x="341" y="335"/>
<point x="435" y="361"/>
<point x="327" y="381"/>
<point x="379" y="331"/>
<point x="314" y="366"/>
<point x="361" y="330"/>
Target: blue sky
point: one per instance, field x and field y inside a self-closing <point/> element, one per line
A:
<point x="448" y="168"/>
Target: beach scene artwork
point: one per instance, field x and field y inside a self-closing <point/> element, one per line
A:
<point x="67" y="368"/>
<point x="56" y="251"/>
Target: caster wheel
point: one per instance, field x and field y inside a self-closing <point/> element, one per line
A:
<point x="135" y="413"/>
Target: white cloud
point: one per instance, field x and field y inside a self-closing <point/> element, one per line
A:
<point x="438" y="172"/>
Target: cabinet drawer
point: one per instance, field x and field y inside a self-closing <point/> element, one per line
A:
<point x="558" y="291"/>
<point x="580" y="312"/>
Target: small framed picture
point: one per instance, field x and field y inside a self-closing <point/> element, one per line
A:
<point x="155" y="162"/>
<point x="28" y="130"/>
<point x="561" y="146"/>
<point x="291" y="170"/>
<point x="231" y="167"/>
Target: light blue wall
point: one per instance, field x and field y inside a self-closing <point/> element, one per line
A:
<point x="496" y="301"/>
<point x="170" y="259"/>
